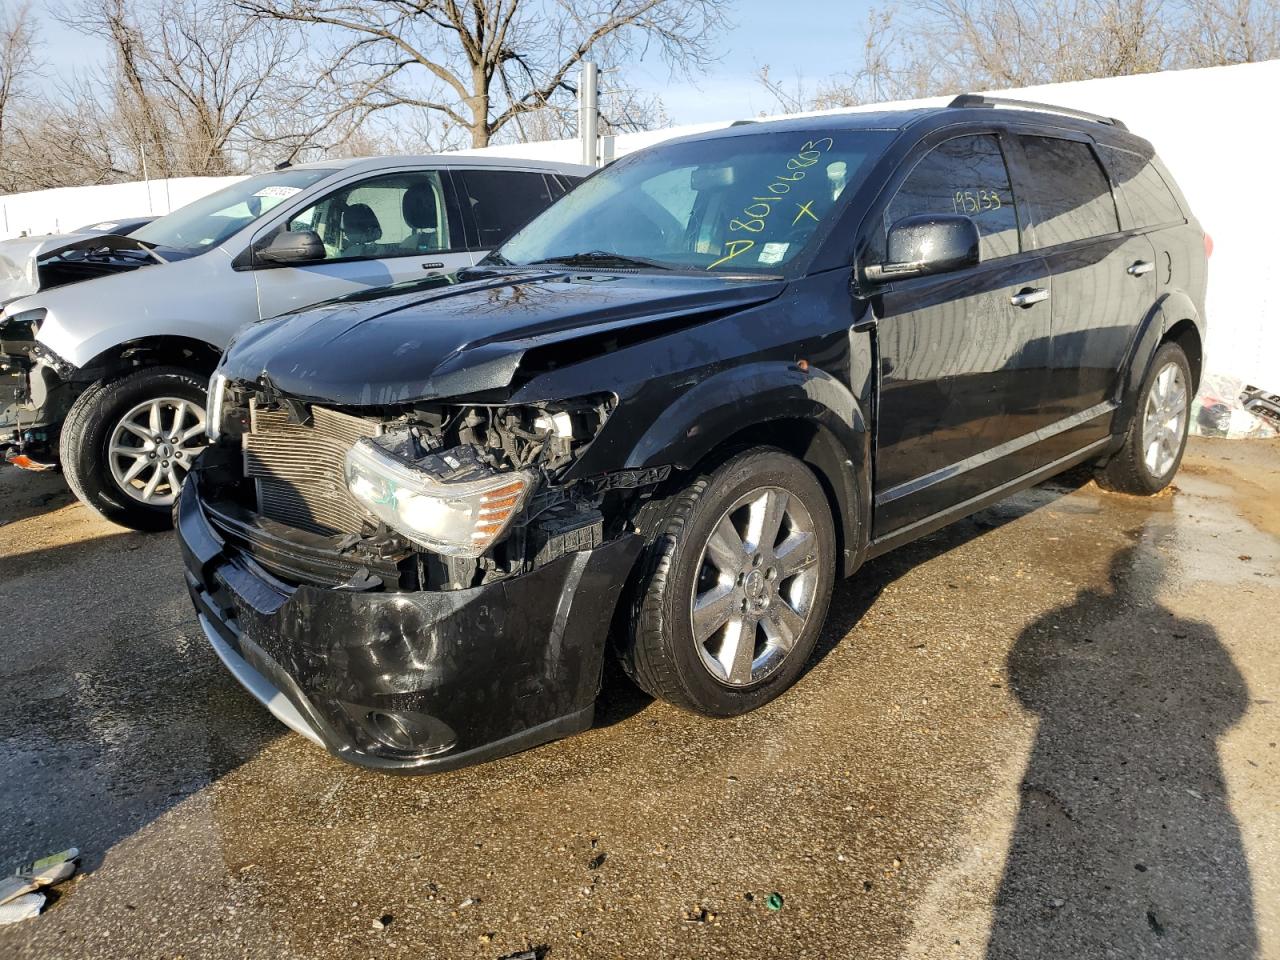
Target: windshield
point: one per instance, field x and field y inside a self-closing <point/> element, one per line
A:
<point x="202" y="225"/>
<point x="747" y="204"/>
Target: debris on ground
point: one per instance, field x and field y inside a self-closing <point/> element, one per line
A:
<point x="19" y="896"/>
<point x="775" y="901"/>
<point x="1229" y="407"/>
<point x="533" y="953"/>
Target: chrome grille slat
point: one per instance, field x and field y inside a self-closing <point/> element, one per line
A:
<point x="298" y="468"/>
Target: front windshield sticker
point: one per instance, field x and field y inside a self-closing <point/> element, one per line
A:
<point x="755" y="216"/>
<point x="278" y="192"/>
<point x="773" y="252"/>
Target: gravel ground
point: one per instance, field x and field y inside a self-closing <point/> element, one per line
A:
<point x="1048" y="731"/>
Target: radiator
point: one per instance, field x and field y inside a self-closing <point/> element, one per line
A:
<point x="297" y="468"/>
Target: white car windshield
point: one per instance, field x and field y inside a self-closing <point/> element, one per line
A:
<point x="202" y="225"/>
<point x="746" y="204"/>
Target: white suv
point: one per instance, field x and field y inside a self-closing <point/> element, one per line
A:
<point x="105" y="367"/>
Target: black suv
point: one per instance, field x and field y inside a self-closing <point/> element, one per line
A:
<point x="673" y="409"/>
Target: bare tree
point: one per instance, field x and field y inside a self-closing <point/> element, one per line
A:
<point x="948" y="46"/>
<point x="17" y="71"/>
<point x="480" y="65"/>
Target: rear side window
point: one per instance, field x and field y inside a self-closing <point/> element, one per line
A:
<point x="1150" y="200"/>
<point x="1072" y="194"/>
<point x="503" y="201"/>
<point x="966" y="175"/>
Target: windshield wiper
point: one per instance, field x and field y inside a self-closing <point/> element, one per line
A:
<point x="603" y="258"/>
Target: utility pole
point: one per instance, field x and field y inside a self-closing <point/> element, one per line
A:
<point x="589" y="113"/>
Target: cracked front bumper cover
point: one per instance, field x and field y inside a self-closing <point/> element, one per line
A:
<point x="411" y="682"/>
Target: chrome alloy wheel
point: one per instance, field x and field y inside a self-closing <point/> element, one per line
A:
<point x="152" y="446"/>
<point x="754" y="590"/>
<point x="1164" y="421"/>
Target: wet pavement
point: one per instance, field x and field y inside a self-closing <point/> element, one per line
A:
<point x="1048" y="731"/>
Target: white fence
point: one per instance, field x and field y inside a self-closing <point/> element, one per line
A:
<point x="63" y="209"/>
<point x="1210" y="126"/>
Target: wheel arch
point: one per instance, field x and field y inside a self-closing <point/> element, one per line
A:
<point x="805" y="412"/>
<point x="191" y="353"/>
<point x="1173" y="318"/>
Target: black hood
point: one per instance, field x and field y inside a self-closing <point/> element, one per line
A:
<point x="445" y="338"/>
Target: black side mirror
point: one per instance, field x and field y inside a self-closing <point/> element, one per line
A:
<point x="288" y="247"/>
<point x="926" y="244"/>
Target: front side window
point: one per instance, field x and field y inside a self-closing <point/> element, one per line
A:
<point x="202" y="225"/>
<point x="751" y="203"/>
<point x="1150" y="200"/>
<point x="503" y="201"/>
<point x="968" y="176"/>
<point x="394" y="215"/>
<point x="1072" y="195"/>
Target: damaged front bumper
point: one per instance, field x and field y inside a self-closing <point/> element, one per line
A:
<point x="410" y="681"/>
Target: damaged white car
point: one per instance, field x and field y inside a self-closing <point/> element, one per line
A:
<point x="107" y="341"/>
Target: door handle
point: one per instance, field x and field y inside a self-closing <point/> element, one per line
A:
<point x="1026" y="298"/>
<point x="1139" y="267"/>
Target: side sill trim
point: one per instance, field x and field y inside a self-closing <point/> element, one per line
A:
<point x="995" y="453"/>
<point x="973" y="504"/>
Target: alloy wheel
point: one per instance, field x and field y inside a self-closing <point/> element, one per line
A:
<point x="754" y="590"/>
<point x="152" y="446"/>
<point x="1164" y="420"/>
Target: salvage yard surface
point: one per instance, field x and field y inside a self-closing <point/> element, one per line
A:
<point x="1048" y="731"/>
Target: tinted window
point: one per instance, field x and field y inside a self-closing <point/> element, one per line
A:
<point x="502" y="201"/>
<point x="398" y="215"/>
<point x="966" y="175"/>
<point x="1073" y="197"/>
<point x="1149" y="197"/>
<point x="747" y="202"/>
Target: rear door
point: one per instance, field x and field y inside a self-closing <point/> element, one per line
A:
<point x="962" y="368"/>
<point x="376" y="231"/>
<point x="499" y="202"/>
<point x="1103" y="284"/>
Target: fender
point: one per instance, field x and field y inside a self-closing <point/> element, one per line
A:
<point x="1171" y="309"/>
<point x="740" y="399"/>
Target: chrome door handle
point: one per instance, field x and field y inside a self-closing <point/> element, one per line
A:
<point x="1027" y="297"/>
<point x="1139" y="267"/>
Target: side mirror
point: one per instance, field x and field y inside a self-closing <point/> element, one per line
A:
<point x="286" y="247"/>
<point x="926" y="244"/>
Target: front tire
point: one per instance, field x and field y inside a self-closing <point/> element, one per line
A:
<point x="736" y="587"/>
<point x="1157" y="436"/>
<point x="128" y="443"/>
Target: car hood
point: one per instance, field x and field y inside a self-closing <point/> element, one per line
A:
<point x="446" y="337"/>
<point x="20" y="258"/>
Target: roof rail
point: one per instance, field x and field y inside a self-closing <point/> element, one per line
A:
<point x="979" y="100"/>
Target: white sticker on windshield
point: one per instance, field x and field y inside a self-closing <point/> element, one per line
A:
<point x="773" y="252"/>
<point x="281" y="193"/>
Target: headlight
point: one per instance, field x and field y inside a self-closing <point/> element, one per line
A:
<point x="213" y="416"/>
<point x="459" y="518"/>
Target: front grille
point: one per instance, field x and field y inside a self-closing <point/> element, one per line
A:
<point x="298" y="468"/>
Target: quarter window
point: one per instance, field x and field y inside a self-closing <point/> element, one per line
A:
<point x="965" y="175"/>
<point x="1150" y="200"/>
<point x="1073" y="197"/>
<point x="398" y="215"/>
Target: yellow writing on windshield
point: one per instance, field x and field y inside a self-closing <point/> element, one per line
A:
<point x="754" y="217"/>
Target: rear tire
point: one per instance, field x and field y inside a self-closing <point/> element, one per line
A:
<point x="1157" y="436"/>
<point x="735" y="587"/>
<point x="109" y="447"/>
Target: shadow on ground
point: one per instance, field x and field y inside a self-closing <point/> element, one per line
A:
<point x="1125" y="845"/>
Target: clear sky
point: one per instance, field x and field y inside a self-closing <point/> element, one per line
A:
<point x="815" y="38"/>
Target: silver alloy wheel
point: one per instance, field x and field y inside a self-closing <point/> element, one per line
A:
<point x="152" y="446"/>
<point x="754" y="589"/>
<point x="1164" y="420"/>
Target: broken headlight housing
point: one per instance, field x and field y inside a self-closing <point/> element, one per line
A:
<point x="450" y="502"/>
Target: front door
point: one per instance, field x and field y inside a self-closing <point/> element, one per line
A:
<point x="378" y="231"/>
<point x="963" y="355"/>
